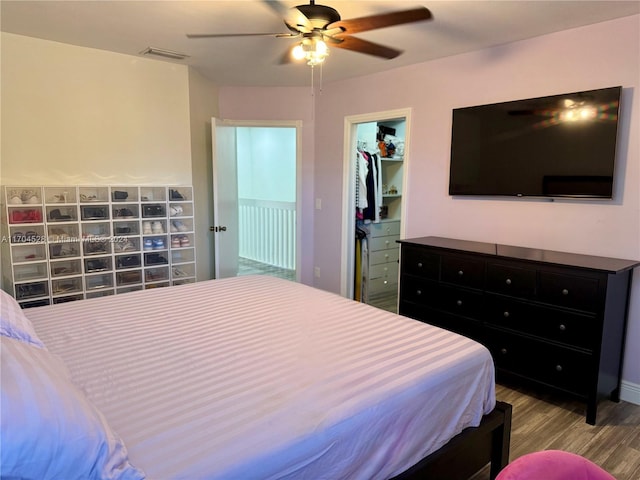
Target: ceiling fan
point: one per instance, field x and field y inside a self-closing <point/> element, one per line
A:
<point x="318" y="25"/>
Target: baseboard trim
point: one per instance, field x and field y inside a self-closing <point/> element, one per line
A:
<point x="630" y="392"/>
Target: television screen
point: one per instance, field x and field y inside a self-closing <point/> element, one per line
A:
<point x="556" y="146"/>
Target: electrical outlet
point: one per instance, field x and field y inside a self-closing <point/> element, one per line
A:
<point x="318" y="204"/>
<point x="316" y="272"/>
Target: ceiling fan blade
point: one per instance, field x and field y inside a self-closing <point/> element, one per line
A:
<point x="222" y="35"/>
<point x="363" y="24"/>
<point x="364" y="46"/>
<point x="294" y="19"/>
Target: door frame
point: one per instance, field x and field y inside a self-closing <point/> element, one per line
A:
<point x="348" y="187"/>
<point x="297" y="124"/>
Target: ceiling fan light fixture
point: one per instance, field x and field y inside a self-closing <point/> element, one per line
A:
<point x="313" y="50"/>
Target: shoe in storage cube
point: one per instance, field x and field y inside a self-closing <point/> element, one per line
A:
<point x="155" y="258"/>
<point x="65" y="286"/>
<point x="28" y="253"/>
<point x="124" y="211"/>
<point x="92" y="246"/>
<point x="22" y="215"/>
<point x="98" y="280"/>
<point x="183" y="271"/>
<point x="23" y="195"/>
<point x="60" y="195"/>
<point x="153" y="194"/>
<point x="63" y="232"/>
<point x="154" y="227"/>
<point x="181" y="241"/>
<point x="94" y="212"/>
<point x="126" y="228"/>
<point x="134" y="288"/>
<point x="61" y="213"/>
<point x="93" y="194"/>
<point x="25" y="291"/>
<point x="128" y="277"/>
<point x="31" y="234"/>
<point x="180" y="194"/>
<point x="181" y="226"/>
<point x="68" y="298"/>
<point x="156" y="274"/>
<point x="126" y="244"/>
<point x="64" y="250"/>
<point x="97" y="264"/>
<point x="128" y="261"/>
<point x="64" y="268"/>
<point x="124" y="194"/>
<point x="154" y="210"/>
<point x="178" y="210"/>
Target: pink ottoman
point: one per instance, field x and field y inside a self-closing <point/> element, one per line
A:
<point x="553" y="465"/>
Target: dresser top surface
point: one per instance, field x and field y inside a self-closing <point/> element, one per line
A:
<point x="611" y="265"/>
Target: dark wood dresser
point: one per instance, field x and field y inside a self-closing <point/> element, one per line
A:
<point x="550" y="318"/>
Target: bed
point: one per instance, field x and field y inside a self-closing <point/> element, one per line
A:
<point x="244" y="378"/>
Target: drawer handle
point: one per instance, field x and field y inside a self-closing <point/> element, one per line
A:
<point x="386" y="255"/>
<point x="565" y="291"/>
<point x="419" y="264"/>
<point x="503" y="351"/>
<point x="508" y="282"/>
<point x="386" y="242"/>
<point x="418" y="292"/>
<point x="558" y="368"/>
<point x="385" y="282"/>
<point x="506" y="314"/>
<point x="562" y="327"/>
<point x="460" y="272"/>
<point x="459" y="303"/>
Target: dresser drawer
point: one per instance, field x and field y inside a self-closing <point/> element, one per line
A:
<point x="384" y="229"/>
<point x="383" y="243"/>
<point x="457" y="301"/>
<point x="383" y="285"/>
<point x="462" y="270"/>
<point x="384" y="270"/>
<point x="390" y="255"/>
<point x="570" y="291"/>
<point x="553" y="324"/>
<point x="416" y="261"/>
<point x="511" y="280"/>
<point x="553" y="365"/>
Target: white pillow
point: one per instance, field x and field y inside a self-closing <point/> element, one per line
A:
<point x="50" y="430"/>
<point x="13" y="322"/>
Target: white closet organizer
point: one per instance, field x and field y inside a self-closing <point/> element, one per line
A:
<point x="386" y="140"/>
<point x="65" y="243"/>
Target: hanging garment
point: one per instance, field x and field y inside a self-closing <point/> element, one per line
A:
<point x="369" y="213"/>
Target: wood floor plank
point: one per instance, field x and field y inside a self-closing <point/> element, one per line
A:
<point x="551" y="422"/>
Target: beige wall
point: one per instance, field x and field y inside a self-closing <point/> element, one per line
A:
<point x="203" y="99"/>
<point x="75" y="115"/>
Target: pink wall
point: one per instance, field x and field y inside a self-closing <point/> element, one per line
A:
<point x="600" y="55"/>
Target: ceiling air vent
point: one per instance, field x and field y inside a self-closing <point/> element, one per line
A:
<point x="161" y="52"/>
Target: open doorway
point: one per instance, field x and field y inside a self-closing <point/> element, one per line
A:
<point x="375" y="166"/>
<point x="256" y="190"/>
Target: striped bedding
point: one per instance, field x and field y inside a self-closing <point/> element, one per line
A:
<point x="257" y="377"/>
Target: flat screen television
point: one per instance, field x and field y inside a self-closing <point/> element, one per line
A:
<point x="555" y="146"/>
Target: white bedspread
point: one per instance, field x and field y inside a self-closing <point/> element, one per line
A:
<point x="256" y="377"/>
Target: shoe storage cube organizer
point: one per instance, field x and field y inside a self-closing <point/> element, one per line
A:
<point x="66" y="243"/>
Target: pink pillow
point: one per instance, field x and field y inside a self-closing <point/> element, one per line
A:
<point x="553" y="465"/>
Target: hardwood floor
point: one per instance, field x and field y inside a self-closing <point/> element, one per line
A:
<point x="549" y="422"/>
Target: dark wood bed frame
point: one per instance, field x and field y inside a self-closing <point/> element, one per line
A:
<point x="469" y="451"/>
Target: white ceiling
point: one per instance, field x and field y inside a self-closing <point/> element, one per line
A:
<point x="457" y="26"/>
